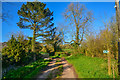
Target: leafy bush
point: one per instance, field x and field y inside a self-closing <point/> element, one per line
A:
<point x="14" y="51"/>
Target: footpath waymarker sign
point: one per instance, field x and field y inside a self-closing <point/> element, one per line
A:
<point x="105" y="51"/>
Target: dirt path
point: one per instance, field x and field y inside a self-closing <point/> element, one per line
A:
<point x="52" y="68"/>
<point x="68" y="71"/>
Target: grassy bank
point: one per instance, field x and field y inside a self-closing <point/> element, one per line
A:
<point x="88" y="67"/>
<point x="28" y="71"/>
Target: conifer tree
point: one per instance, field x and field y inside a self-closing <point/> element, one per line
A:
<point x="36" y="17"/>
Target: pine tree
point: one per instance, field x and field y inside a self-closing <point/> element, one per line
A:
<point x="36" y="17"/>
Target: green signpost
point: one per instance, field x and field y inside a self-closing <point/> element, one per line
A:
<point x="105" y="51"/>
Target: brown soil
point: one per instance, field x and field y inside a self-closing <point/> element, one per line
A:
<point x="52" y="68"/>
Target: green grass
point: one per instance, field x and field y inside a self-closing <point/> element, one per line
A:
<point x="88" y="67"/>
<point x="28" y="71"/>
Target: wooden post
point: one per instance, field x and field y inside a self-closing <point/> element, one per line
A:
<point x="108" y="54"/>
<point x="109" y="63"/>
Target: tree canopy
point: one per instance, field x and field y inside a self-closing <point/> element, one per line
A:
<point x="36" y="17"/>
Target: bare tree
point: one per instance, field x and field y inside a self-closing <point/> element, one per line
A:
<point x="78" y="17"/>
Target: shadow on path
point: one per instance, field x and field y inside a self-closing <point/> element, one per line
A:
<point x="50" y="72"/>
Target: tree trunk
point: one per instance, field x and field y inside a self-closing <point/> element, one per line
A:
<point x="77" y="28"/>
<point x="33" y="45"/>
<point x="113" y="67"/>
<point x="118" y="24"/>
<point x="54" y="47"/>
<point x="77" y="34"/>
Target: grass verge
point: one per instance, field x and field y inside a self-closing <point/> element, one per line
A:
<point x="28" y="71"/>
<point x="88" y="67"/>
